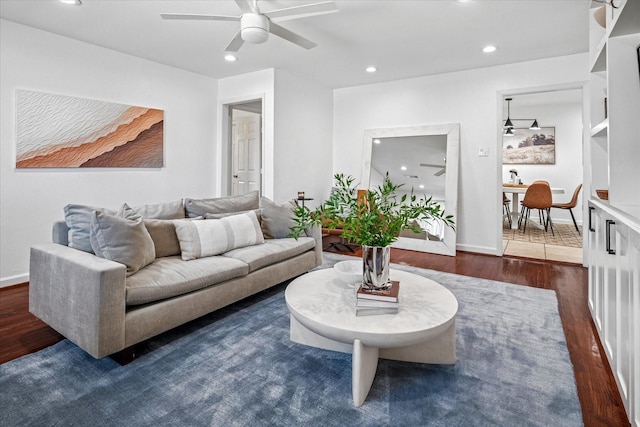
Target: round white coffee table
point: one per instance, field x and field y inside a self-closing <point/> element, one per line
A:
<point x="323" y="315"/>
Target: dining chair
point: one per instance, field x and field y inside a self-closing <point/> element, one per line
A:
<point x="537" y="196"/>
<point x="506" y="207"/>
<point x="570" y="205"/>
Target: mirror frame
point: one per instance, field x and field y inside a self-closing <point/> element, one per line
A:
<point x="452" y="130"/>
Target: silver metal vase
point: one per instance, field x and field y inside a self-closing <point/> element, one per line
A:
<point x="375" y="273"/>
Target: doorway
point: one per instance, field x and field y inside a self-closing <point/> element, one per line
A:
<point x="560" y="114"/>
<point x="245" y="148"/>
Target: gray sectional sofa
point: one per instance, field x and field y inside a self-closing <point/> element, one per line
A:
<point x="112" y="279"/>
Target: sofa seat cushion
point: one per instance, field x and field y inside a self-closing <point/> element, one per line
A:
<point x="271" y="252"/>
<point x="171" y="276"/>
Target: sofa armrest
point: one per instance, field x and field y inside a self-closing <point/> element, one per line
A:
<point x="80" y="295"/>
<point x="316" y="233"/>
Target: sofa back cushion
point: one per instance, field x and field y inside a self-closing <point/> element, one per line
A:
<point x="200" y="207"/>
<point x="167" y="210"/>
<point x="121" y="240"/>
<point x="199" y="239"/>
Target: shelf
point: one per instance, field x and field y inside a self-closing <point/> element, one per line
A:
<point x="599" y="61"/>
<point x="612" y="161"/>
<point x="627" y="21"/>
<point x="601" y="129"/>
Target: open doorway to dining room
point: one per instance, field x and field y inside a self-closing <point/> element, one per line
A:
<point x="552" y="151"/>
<point x="242" y="155"/>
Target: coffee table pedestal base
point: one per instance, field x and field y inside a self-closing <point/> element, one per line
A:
<point x="440" y="349"/>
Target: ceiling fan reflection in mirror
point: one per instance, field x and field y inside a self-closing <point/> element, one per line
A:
<point x="438" y="173"/>
<point x="255" y="26"/>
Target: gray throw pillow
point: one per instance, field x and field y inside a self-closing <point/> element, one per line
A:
<point x="200" y="207"/>
<point x="127" y="212"/>
<point x="78" y="219"/>
<point x="121" y="240"/>
<point x="277" y="219"/>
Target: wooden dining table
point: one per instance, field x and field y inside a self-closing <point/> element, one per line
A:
<point x="516" y="190"/>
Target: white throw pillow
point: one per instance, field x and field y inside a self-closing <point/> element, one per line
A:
<point x="199" y="239"/>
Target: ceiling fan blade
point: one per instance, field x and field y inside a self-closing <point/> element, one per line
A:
<point x="440" y="172"/>
<point x="196" y="17"/>
<point x="235" y="44"/>
<point x="296" y="12"/>
<point x="430" y="165"/>
<point x="291" y="36"/>
<point x="246" y="6"/>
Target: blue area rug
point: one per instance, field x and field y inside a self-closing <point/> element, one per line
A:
<point x="237" y="367"/>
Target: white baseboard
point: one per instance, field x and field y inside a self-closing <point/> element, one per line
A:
<point x="478" y="249"/>
<point x="13" y="280"/>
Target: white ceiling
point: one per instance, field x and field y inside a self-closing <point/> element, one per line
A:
<point x="402" y="38"/>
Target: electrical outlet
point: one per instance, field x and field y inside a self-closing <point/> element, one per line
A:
<point x="483" y="152"/>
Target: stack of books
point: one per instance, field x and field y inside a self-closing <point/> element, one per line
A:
<point x="369" y="302"/>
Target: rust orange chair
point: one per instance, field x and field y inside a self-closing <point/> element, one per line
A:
<point x="537" y="196"/>
<point x="570" y="205"/>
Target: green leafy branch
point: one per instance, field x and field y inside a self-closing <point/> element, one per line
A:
<point x="376" y="219"/>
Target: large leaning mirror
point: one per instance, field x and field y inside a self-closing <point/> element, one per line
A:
<point x="424" y="158"/>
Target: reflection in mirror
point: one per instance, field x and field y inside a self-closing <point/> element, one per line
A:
<point x="425" y="159"/>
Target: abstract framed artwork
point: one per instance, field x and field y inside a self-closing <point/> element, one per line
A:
<point x="530" y="147"/>
<point x="58" y="131"/>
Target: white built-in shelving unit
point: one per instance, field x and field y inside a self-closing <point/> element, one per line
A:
<point x="613" y="159"/>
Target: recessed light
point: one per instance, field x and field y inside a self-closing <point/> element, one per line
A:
<point x="404" y="168"/>
<point x="72" y="2"/>
<point x="230" y="58"/>
<point x="376" y="141"/>
<point x="421" y="186"/>
<point x="371" y="69"/>
<point x="489" y="49"/>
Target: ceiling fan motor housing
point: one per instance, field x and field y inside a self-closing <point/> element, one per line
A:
<point x="254" y="28"/>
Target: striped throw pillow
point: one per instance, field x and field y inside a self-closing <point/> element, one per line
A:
<point x="199" y="239"/>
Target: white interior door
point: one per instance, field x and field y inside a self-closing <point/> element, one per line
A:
<point x="245" y="153"/>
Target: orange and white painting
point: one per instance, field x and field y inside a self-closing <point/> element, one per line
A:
<point x="58" y="131"/>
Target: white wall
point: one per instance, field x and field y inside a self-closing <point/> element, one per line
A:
<point x="567" y="172"/>
<point x="31" y="199"/>
<point x="245" y="87"/>
<point x="303" y="133"/>
<point x="297" y="131"/>
<point x="470" y="98"/>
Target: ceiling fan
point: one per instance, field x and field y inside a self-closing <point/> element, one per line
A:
<point x="438" y="173"/>
<point x="255" y="26"/>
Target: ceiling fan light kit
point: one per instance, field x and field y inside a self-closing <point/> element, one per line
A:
<point x="254" y="28"/>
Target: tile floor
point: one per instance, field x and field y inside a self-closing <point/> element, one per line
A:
<point x="542" y="251"/>
<point x="566" y="246"/>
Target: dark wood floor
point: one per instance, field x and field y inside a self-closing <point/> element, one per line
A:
<point x="21" y="333"/>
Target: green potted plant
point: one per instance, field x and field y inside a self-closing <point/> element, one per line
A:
<point x="373" y="220"/>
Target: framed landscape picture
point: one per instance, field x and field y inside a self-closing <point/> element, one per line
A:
<point x="530" y="147"/>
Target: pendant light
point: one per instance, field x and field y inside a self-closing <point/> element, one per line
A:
<point x="508" y="124"/>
